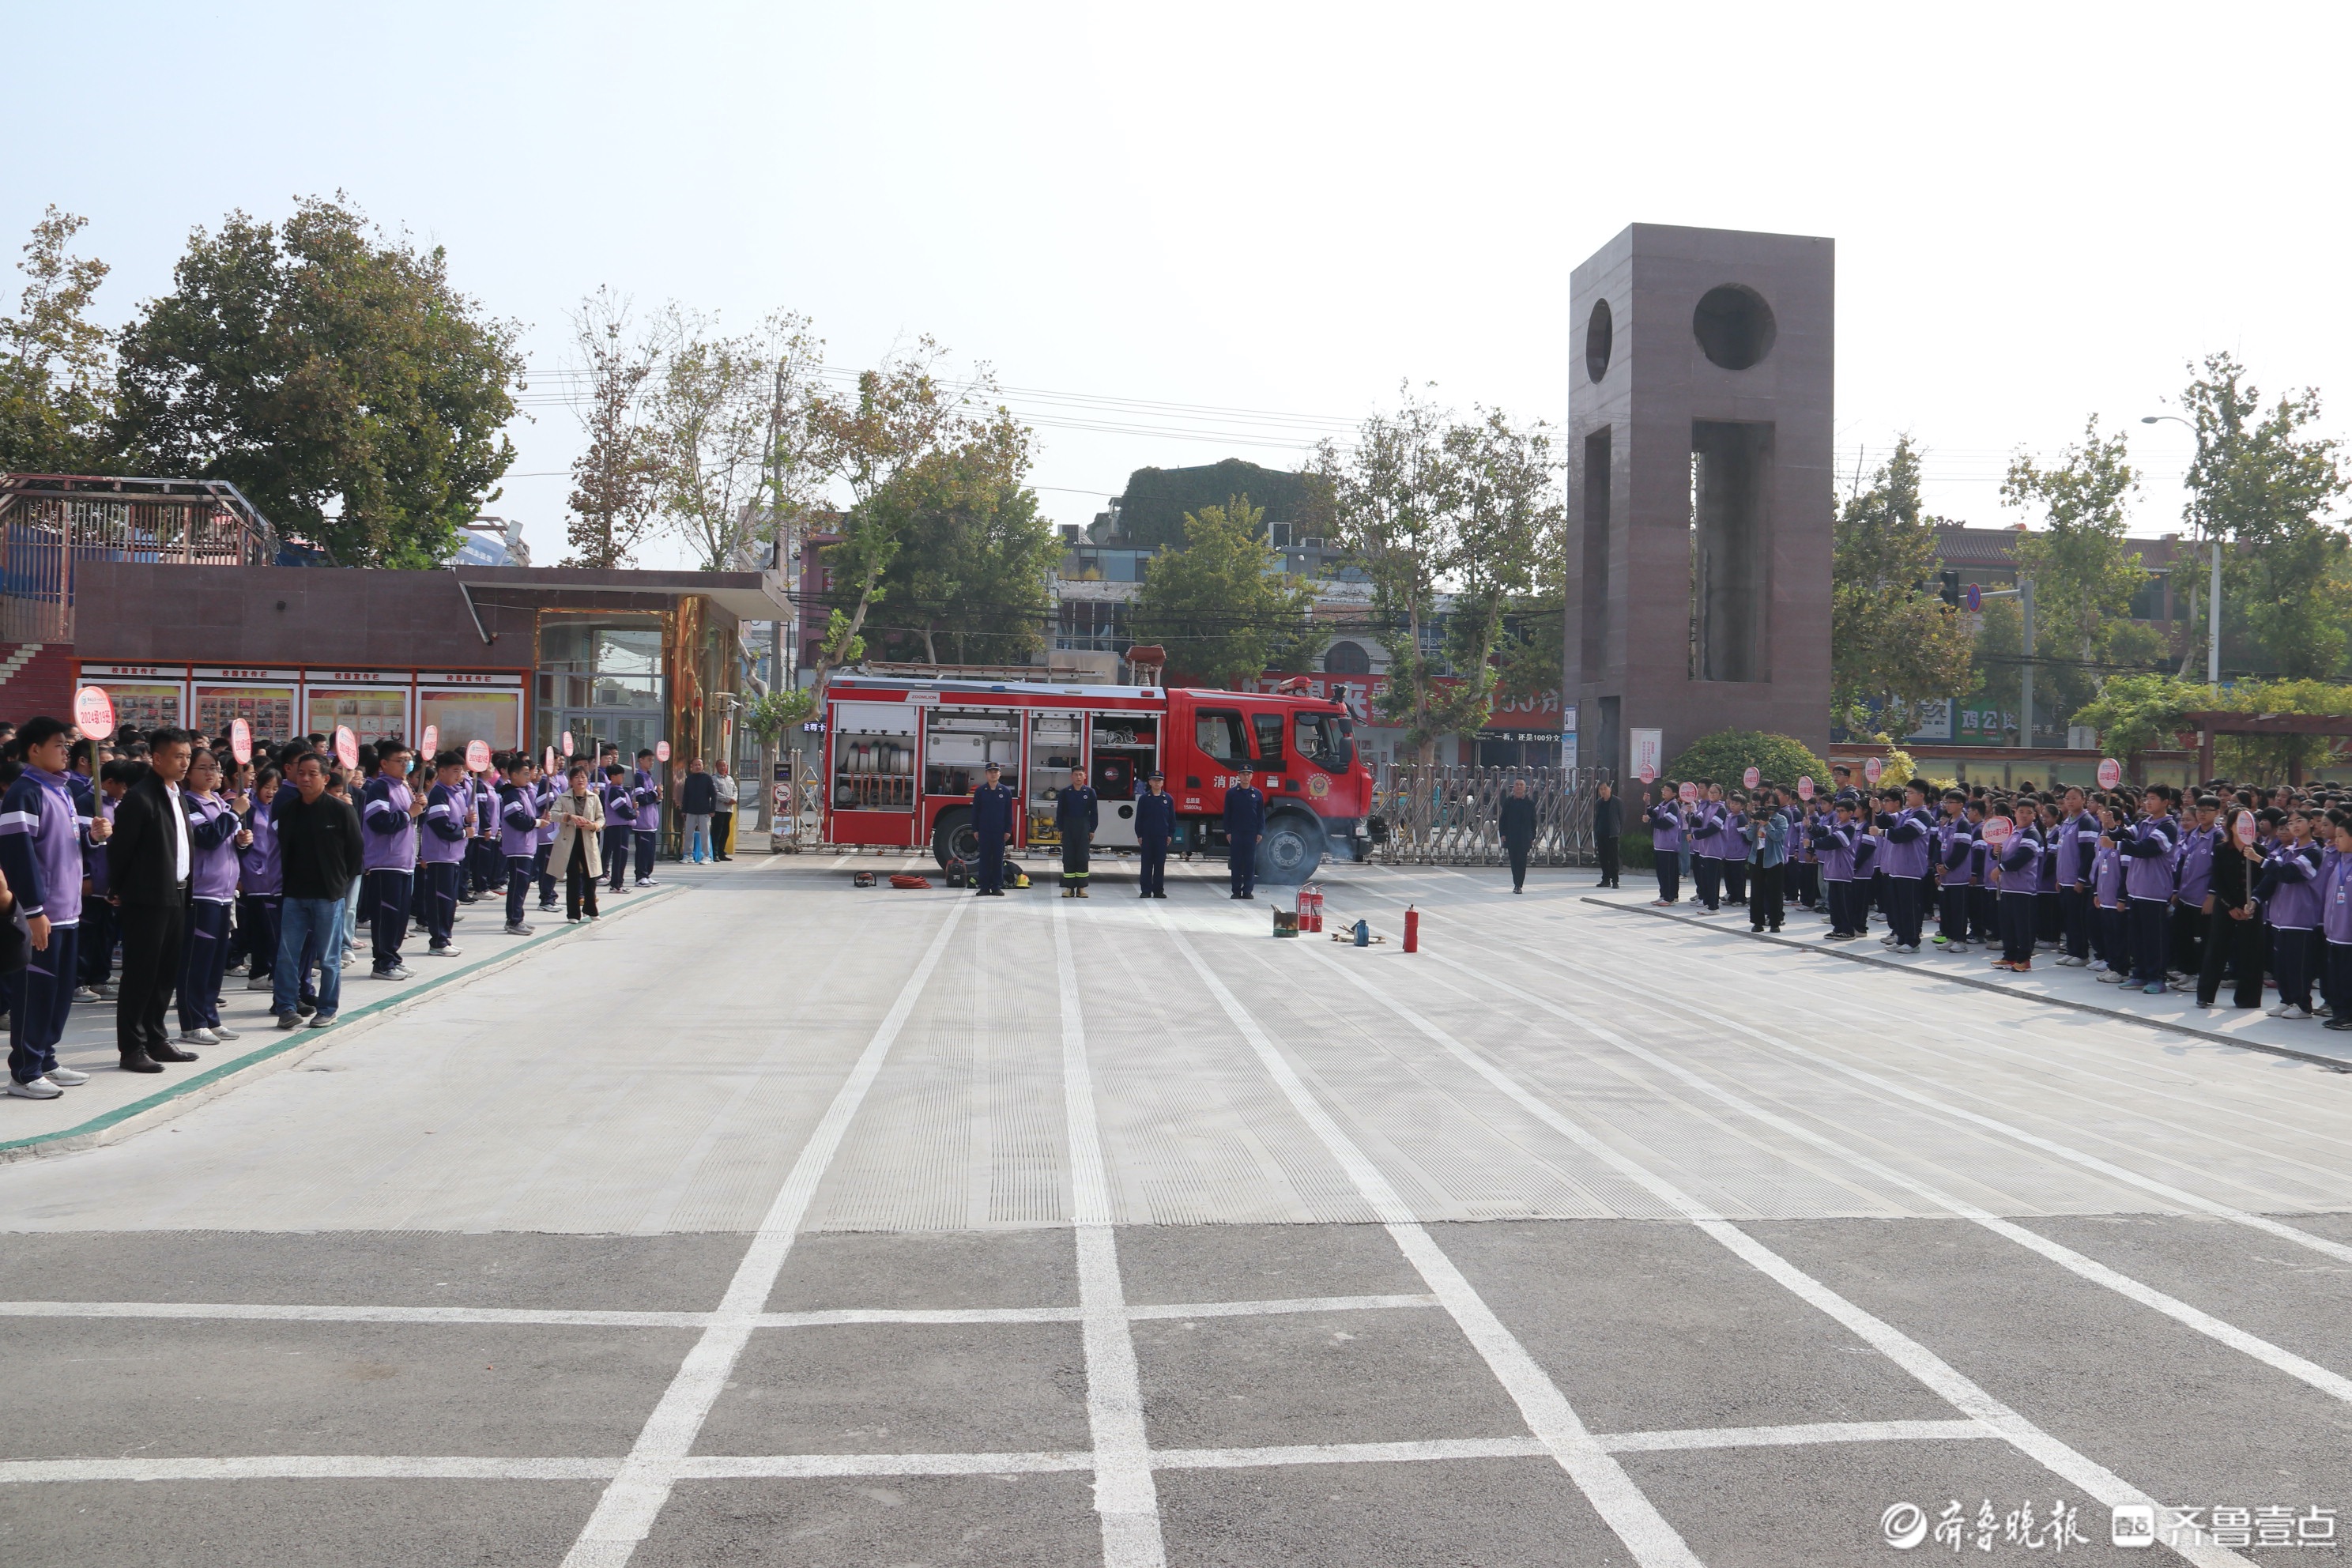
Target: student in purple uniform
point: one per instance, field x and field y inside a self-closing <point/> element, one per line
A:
<point x="1665" y="821"/>
<point x="2076" y="844"/>
<point x="2018" y="868"/>
<point x="1984" y="903"/>
<point x="2193" y="879"/>
<point x="646" y="787"/>
<point x="215" y="833"/>
<point x="2146" y="847"/>
<point x="1732" y="844"/>
<point x="2289" y="895"/>
<point x="445" y="830"/>
<point x="545" y="790"/>
<point x="619" y="824"/>
<point x="1903" y="855"/>
<point x="2049" y="931"/>
<point x="1955" y="842"/>
<point x="389" y="808"/>
<point x="2335" y="926"/>
<point x="260" y="882"/>
<point x="519" y="824"/>
<point x="1866" y="846"/>
<point x="1835" y="840"/>
<point x="42" y="832"/>
<point x="2109" y="923"/>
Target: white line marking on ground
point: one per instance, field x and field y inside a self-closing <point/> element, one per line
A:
<point x="1598" y="1477"/>
<point x="626" y="1511"/>
<point x="1124" y="1494"/>
<point x="2319" y="1377"/>
<point x="307" y="1466"/>
<point x="1964" y="1395"/>
<point x="2164" y="1190"/>
<point x="1800" y="1435"/>
<point x="788" y="1467"/>
<point x="1263" y="1308"/>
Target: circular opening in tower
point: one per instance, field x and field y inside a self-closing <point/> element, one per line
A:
<point x="1599" y="336"/>
<point x="1734" y="326"/>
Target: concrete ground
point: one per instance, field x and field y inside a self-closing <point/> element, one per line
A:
<point x="780" y="1223"/>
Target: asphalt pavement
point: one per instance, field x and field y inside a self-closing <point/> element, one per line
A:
<point x="785" y="1223"/>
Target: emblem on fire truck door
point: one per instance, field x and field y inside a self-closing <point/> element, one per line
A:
<point x="1318" y="786"/>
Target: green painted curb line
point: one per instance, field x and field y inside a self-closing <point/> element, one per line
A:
<point x="307" y="1036"/>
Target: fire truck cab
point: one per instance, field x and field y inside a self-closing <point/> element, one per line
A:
<point x="903" y="756"/>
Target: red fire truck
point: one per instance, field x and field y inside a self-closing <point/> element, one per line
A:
<point x="903" y="755"/>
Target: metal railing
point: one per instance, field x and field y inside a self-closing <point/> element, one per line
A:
<point x="49" y="523"/>
<point x="1446" y="816"/>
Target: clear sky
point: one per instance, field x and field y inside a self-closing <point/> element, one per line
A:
<point x="2042" y="212"/>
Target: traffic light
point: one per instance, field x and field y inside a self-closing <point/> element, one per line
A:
<point x="1951" y="588"/>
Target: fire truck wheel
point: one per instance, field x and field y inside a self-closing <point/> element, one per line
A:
<point x="1290" y="849"/>
<point x="953" y="839"/>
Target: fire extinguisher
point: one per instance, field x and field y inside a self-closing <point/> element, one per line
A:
<point x="1412" y="928"/>
<point x="1319" y="906"/>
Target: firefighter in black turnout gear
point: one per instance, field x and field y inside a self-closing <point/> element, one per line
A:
<point x="1155" y="824"/>
<point x="1075" y="817"/>
<point x="1244" y="821"/>
<point x="992" y="804"/>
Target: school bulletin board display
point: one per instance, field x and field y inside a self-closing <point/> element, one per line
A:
<point x="267" y="709"/>
<point x="372" y="712"/>
<point x="142" y="706"/>
<point x="495" y="717"/>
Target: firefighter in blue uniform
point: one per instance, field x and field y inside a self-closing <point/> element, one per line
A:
<point x="1076" y="815"/>
<point x="1155" y="824"/>
<point x="991" y="820"/>
<point x="1244" y="820"/>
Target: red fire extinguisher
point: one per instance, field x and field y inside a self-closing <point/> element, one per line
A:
<point x="1412" y="928"/>
<point x="1319" y="906"/>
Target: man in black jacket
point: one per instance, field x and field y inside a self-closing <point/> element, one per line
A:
<point x="1516" y="824"/>
<point x="148" y="861"/>
<point x="1608" y="824"/>
<point x="320" y="847"/>
<point x="696" y="800"/>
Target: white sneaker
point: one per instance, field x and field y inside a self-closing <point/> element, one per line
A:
<point x="1956" y="947"/>
<point x="69" y="1076"/>
<point x="39" y="1089"/>
<point x="198" y="1037"/>
<point x="398" y="972"/>
<point x="87" y="994"/>
<point x="1909" y="947"/>
<point x="648" y="881"/>
<point x="2289" y="1010"/>
<point x="2109" y="977"/>
<point x="517" y="929"/>
<point x="221" y="1034"/>
<point x="261" y="982"/>
<point x="440" y="953"/>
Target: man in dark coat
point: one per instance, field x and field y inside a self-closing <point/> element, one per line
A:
<point x="992" y="820"/>
<point x="1155" y="824"/>
<point x="1608" y="824"/>
<point x="148" y="861"/>
<point x="1244" y="821"/>
<point x="1516" y="823"/>
<point x="1076" y="815"/>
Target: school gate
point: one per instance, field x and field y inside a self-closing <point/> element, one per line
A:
<point x="1446" y="816"/>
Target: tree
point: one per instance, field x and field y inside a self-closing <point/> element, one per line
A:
<point x="1450" y="522"/>
<point x="321" y="364"/>
<point x="612" y="500"/>
<point x="56" y="392"/>
<point x="2134" y="714"/>
<point x="2266" y="487"/>
<point x="1221" y="605"/>
<point x="905" y="444"/>
<point x="718" y="410"/>
<point x="1893" y="640"/>
<point x="971" y="573"/>
<point x="2082" y="571"/>
<point x="1725" y="756"/>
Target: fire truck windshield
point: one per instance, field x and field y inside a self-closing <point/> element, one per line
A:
<point x="1323" y="740"/>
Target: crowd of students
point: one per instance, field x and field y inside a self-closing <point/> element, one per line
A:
<point x="197" y="868"/>
<point x="2152" y="890"/>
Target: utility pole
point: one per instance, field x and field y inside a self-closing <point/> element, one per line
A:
<point x="2025" y="682"/>
<point x="780" y="562"/>
<point x="2213" y="592"/>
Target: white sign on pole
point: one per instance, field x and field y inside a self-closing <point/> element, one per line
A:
<point x="1649" y="753"/>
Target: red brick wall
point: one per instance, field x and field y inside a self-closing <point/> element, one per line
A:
<point x="41" y="684"/>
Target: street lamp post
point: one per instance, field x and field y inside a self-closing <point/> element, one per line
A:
<point x="2213" y="592"/>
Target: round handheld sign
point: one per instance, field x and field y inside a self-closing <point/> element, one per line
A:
<point x="2245" y="829"/>
<point x="346" y="746"/>
<point x="1752" y="777"/>
<point x="477" y="755"/>
<point x="1872" y="768"/>
<point x="661" y="751"/>
<point x="1805" y="788"/>
<point x="240" y="741"/>
<point x="94" y="712"/>
<point x="432" y="740"/>
<point x="567" y="743"/>
<point x="550" y="764"/>
<point x="1997" y="830"/>
<point x="2111" y="773"/>
<point x="1690" y="792"/>
<point x="1649" y="773"/>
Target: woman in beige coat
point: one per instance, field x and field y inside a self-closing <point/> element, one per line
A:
<point x="579" y="817"/>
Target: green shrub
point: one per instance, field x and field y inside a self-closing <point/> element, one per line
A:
<point x="1727" y="754"/>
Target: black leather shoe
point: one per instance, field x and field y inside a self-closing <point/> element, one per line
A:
<point x="140" y="1063"/>
<point x="171" y="1054"/>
